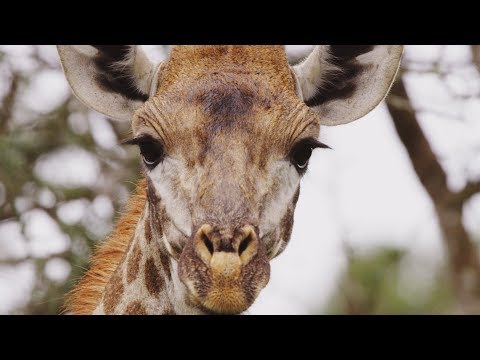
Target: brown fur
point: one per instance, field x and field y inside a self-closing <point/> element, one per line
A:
<point x="169" y="310"/>
<point x="165" y="261"/>
<point x="135" y="308"/>
<point x="153" y="277"/>
<point x="113" y="292"/>
<point x="134" y="263"/>
<point x="86" y="295"/>
<point x="148" y="232"/>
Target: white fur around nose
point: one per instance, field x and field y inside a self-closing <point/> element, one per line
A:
<point x="175" y="186"/>
<point x="285" y="181"/>
<point x="172" y="184"/>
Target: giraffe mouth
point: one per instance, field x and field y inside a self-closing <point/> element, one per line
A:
<point x="222" y="282"/>
<point x="224" y="296"/>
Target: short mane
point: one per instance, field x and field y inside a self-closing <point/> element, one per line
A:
<point x="86" y="295"/>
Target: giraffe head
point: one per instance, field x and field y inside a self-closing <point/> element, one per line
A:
<point x="225" y="134"/>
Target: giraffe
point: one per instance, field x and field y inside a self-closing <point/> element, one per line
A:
<point x="225" y="135"/>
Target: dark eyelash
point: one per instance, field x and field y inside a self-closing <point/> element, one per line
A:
<point x="139" y="140"/>
<point x="314" y="144"/>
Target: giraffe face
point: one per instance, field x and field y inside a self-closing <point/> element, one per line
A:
<point x="226" y="133"/>
<point x="224" y="153"/>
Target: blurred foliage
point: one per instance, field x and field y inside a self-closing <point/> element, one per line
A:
<point x="372" y="284"/>
<point x="29" y="136"/>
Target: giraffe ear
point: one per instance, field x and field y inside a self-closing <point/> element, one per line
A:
<point x="345" y="82"/>
<point x="112" y="79"/>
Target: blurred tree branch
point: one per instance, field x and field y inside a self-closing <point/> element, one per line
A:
<point x="470" y="189"/>
<point x="476" y="55"/>
<point x="462" y="252"/>
<point x="9" y="101"/>
<point x="6" y="215"/>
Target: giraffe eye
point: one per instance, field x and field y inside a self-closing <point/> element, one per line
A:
<point x="152" y="153"/>
<point x="302" y="151"/>
<point x="300" y="156"/>
<point x="151" y="150"/>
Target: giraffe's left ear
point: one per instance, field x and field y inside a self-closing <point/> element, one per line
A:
<point x="112" y="79"/>
<point x="345" y="82"/>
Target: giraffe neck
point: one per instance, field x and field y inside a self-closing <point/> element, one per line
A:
<point x="146" y="281"/>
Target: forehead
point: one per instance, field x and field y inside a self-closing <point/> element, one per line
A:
<point x="227" y="97"/>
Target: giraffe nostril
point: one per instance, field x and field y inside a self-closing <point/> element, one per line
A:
<point x="208" y="243"/>
<point x="244" y="244"/>
<point x="248" y="247"/>
<point x="203" y="244"/>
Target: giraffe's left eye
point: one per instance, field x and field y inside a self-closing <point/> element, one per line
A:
<point x="300" y="155"/>
<point x="302" y="151"/>
<point x="152" y="153"/>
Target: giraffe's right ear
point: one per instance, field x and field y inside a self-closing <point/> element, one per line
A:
<point x="112" y="79"/>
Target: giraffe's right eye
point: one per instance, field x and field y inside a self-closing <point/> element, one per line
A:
<point x="152" y="153"/>
<point x="151" y="150"/>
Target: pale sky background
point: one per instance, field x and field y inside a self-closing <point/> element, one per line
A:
<point x="364" y="193"/>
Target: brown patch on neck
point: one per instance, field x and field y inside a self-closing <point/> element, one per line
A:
<point x="135" y="308"/>
<point x="169" y="310"/>
<point x="113" y="292"/>
<point x="153" y="277"/>
<point x="134" y="263"/>
<point x="148" y="230"/>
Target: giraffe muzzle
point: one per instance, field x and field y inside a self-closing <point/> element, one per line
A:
<point x="224" y="269"/>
